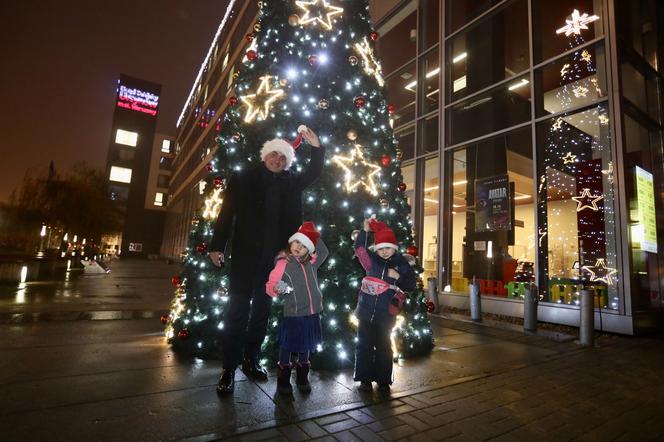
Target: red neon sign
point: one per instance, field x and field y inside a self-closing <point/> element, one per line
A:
<point x="137" y="100"/>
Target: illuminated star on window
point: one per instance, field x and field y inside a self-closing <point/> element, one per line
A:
<point x="254" y="105"/>
<point x="324" y="14"/>
<point x="357" y="171"/>
<point x="603" y="119"/>
<point x="609" y="172"/>
<point x="542" y="234"/>
<point x="587" y="201"/>
<point x="557" y="124"/>
<point x="585" y="55"/>
<point x="212" y="205"/>
<point x="577" y="23"/>
<point x="371" y="65"/>
<point x="580" y="91"/>
<point x="569" y="158"/>
<point x="600" y="272"/>
<point x="564" y="69"/>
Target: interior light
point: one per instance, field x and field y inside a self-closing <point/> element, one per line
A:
<point x="461" y="56"/>
<point x="521" y="83"/>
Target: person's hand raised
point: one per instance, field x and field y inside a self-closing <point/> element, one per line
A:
<point x="311" y="137"/>
<point x="217" y="258"/>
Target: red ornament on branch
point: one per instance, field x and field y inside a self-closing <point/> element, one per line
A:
<point x="373" y="36"/>
<point x="249" y="37"/>
<point x="176" y="280"/>
<point x="385" y="160"/>
<point x="431" y="307"/>
<point x="218" y="181"/>
<point x="251" y="55"/>
<point x="412" y="250"/>
<point x="163" y="319"/>
<point x="391" y="109"/>
<point x="201" y="248"/>
<point x="402" y="187"/>
<point x="183" y="334"/>
<point x="233" y="101"/>
<point x="359" y="102"/>
<point x="313" y="60"/>
<point x="208" y="167"/>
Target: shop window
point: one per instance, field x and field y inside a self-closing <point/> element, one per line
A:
<point x="571" y="82"/>
<point x="460" y="12"/>
<point x="406" y="138"/>
<point x="428" y="140"/>
<point x="429" y="18"/>
<point x="428" y="89"/>
<point x="408" y="176"/>
<point x="638" y="27"/>
<point x="502" y="107"/>
<point x="400" y="90"/>
<point x="643" y="92"/>
<point x="575" y="208"/>
<point x="398" y="40"/>
<point x="492" y="235"/>
<point x="489" y="51"/>
<point x="554" y="23"/>
<point x="430" y="204"/>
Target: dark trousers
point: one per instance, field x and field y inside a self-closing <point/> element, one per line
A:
<point x="245" y="324"/>
<point x="373" y="354"/>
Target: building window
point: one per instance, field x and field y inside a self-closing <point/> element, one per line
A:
<point x="159" y="199"/>
<point x="398" y="40"/>
<point x="429" y="251"/>
<point x="400" y="90"/>
<point x="162" y="180"/>
<point x="166" y="146"/>
<point x="120" y="174"/>
<point x="126" y="137"/>
<point x="135" y="246"/>
<point x="126" y="154"/>
<point x="165" y="163"/>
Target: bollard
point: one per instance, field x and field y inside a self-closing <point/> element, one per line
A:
<point x="475" y="301"/>
<point x="432" y="284"/>
<point x="530" y="302"/>
<point x="587" y="323"/>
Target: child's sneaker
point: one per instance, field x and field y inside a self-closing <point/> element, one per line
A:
<point x="365" y="386"/>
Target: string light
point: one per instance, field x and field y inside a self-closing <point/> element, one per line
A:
<point x="256" y="109"/>
<point x="357" y="171"/>
<point x="325" y="12"/>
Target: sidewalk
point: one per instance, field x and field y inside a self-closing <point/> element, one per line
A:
<point x="82" y="373"/>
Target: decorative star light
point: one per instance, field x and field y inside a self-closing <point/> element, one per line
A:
<point x="596" y="84"/>
<point x="585" y="55"/>
<point x="591" y="200"/>
<point x="557" y="124"/>
<point x="254" y="108"/>
<point x="213" y="205"/>
<point x="564" y="69"/>
<point x="603" y="119"/>
<point x="542" y="233"/>
<point x="324" y="15"/>
<point x="609" y="172"/>
<point x="600" y="272"/>
<point x="580" y="91"/>
<point x="357" y="171"/>
<point x="370" y="64"/>
<point x="569" y="158"/>
<point x="577" y="23"/>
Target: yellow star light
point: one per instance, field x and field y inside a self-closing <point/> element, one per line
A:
<point x="580" y="91"/>
<point x="325" y="12"/>
<point x="542" y="233"/>
<point x="600" y="272"/>
<point x="557" y="124"/>
<point x="603" y="119"/>
<point x="569" y="158"/>
<point x="577" y="23"/>
<point x="564" y="69"/>
<point x="586" y="196"/>
<point x="213" y="205"/>
<point x="585" y="55"/>
<point x="371" y="65"/>
<point x="254" y="107"/>
<point x="354" y="167"/>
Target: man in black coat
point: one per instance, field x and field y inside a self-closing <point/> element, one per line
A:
<point x="261" y="209"/>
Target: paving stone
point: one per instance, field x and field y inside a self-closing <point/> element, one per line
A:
<point x="360" y="416"/>
<point x="330" y="419"/>
<point x="312" y="429"/>
<point x="366" y="434"/>
<point x="269" y="434"/>
<point x="397" y="433"/>
<point x="294" y="433"/>
<point x="385" y="424"/>
<point x="414" y="422"/>
<point x="341" y="425"/>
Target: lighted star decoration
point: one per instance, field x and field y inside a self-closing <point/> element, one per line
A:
<point x="557" y="124"/>
<point x="542" y="233"/>
<point x="580" y="91"/>
<point x="577" y="23"/>
<point x="600" y="272"/>
<point x="371" y="65"/>
<point x="542" y="183"/>
<point x="609" y="172"/>
<point x="587" y="201"/>
<point x="564" y="69"/>
<point x="603" y="119"/>
<point x="569" y="158"/>
<point x="213" y="205"/>
<point x="257" y="105"/>
<point x="585" y="55"/>
<point x="357" y="171"/>
<point x="323" y="15"/>
<point x="596" y="84"/>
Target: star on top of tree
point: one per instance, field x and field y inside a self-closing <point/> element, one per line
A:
<point x="577" y="23"/>
<point x="357" y="171"/>
<point x="323" y="12"/>
<point x="600" y="272"/>
<point x="587" y="201"/>
<point x="255" y="106"/>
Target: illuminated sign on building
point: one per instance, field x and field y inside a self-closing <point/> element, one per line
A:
<point x="137" y="100"/>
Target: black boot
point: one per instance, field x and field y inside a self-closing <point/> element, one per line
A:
<point x="226" y="383"/>
<point x="302" y="371"/>
<point x="283" y="379"/>
<point x="253" y="369"/>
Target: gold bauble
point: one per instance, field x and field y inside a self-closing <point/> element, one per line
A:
<point x="352" y="134"/>
<point x="257" y="27"/>
<point x="352" y="60"/>
<point x="384" y="203"/>
<point x="353" y="234"/>
<point x="323" y="104"/>
<point x="293" y="20"/>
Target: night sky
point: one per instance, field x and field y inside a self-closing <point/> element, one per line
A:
<point x="60" y="64"/>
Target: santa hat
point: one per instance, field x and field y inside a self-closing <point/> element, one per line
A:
<point x="383" y="236"/>
<point x="283" y="147"/>
<point x="307" y="235"/>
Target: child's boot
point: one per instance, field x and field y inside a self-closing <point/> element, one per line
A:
<point x="283" y="379"/>
<point x="302" y="372"/>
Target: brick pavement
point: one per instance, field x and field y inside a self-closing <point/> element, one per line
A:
<point x="613" y="392"/>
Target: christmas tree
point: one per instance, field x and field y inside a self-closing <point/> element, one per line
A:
<point x="576" y="176"/>
<point x="311" y="63"/>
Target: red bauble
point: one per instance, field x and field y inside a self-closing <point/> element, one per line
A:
<point x="359" y="102"/>
<point x="176" y="280"/>
<point x="208" y="167"/>
<point x="163" y="319"/>
<point x="249" y="37"/>
<point x="391" y="109"/>
<point x="313" y="60"/>
<point x="402" y="187"/>
<point x="233" y="101"/>
<point x="183" y="334"/>
<point x="412" y="250"/>
<point x="201" y="248"/>
<point x="373" y="36"/>
<point x="385" y="160"/>
<point x="431" y="307"/>
<point x="218" y="181"/>
<point x="251" y="55"/>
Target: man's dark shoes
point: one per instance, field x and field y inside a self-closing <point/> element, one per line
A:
<point x="302" y="372"/>
<point x="283" y="379"/>
<point x="226" y="383"/>
<point x="253" y="370"/>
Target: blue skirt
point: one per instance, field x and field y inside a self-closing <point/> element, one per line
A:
<point x="300" y="333"/>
